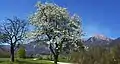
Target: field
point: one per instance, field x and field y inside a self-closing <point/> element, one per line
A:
<point x="24" y="61"/>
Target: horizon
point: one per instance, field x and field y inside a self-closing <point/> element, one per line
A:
<point x="98" y="17"/>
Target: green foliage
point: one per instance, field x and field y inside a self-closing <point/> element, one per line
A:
<point x="21" y="53"/>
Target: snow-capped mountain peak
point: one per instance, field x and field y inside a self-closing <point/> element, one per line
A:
<point x="98" y="39"/>
<point x="101" y="37"/>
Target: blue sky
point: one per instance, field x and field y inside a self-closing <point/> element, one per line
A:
<point x="98" y="16"/>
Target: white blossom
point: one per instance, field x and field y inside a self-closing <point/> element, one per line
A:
<point x="55" y="21"/>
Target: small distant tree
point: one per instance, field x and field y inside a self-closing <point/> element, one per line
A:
<point x="56" y="23"/>
<point x="21" y="53"/>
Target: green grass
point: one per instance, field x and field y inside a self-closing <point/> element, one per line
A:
<point x="24" y="61"/>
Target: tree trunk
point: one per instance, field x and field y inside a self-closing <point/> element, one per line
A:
<point x="51" y="56"/>
<point x="12" y="53"/>
<point x="55" y="59"/>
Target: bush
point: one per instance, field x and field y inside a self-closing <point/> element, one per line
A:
<point x="63" y="58"/>
<point x="21" y="53"/>
<point x="40" y="58"/>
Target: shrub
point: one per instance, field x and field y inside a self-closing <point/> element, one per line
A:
<point x="21" y="53"/>
<point x="40" y="58"/>
<point x="63" y="58"/>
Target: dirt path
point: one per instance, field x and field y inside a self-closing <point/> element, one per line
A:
<point x="62" y="62"/>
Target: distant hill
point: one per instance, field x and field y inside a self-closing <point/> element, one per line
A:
<point x="4" y="52"/>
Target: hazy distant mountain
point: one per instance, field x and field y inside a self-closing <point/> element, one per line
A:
<point x="33" y="48"/>
<point x="115" y="42"/>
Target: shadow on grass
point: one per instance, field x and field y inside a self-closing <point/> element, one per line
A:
<point x="1" y="61"/>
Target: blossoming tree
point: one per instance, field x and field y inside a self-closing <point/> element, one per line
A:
<point x="57" y="24"/>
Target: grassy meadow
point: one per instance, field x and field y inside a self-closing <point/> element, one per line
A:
<point x="24" y="61"/>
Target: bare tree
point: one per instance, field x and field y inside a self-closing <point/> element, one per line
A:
<point x="13" y="31"/>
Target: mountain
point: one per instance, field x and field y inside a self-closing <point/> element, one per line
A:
<point x="33" y="48"/>
<point x="98" y="40"/>
<point x="115" y="42"/>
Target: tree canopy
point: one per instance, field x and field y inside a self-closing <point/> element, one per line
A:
<point x="57" y="24"/>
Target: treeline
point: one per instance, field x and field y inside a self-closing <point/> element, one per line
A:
<point x="98" y="55"/>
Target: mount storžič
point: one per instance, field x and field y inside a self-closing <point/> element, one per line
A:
<point x="34" y="48"/>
